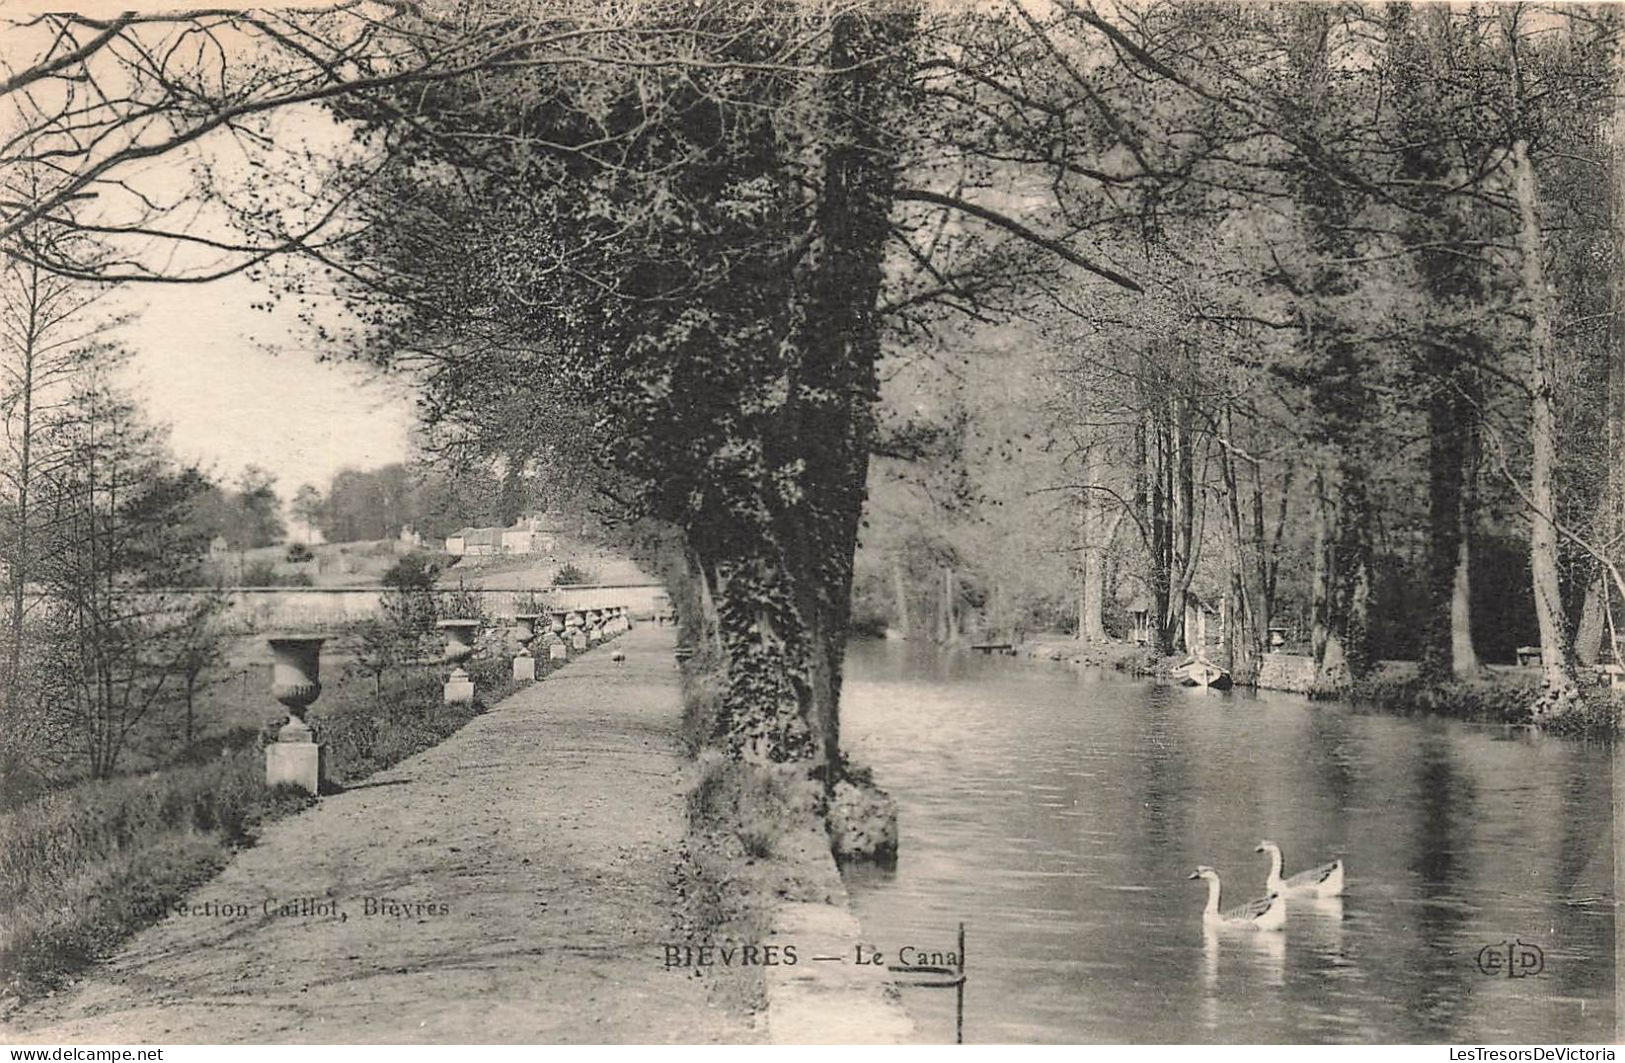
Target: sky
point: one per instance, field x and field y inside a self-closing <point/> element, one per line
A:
<point x="235" y="384"/>
<point x="202" y="366"/>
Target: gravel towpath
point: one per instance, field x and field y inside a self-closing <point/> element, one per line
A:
<point x="510" y="885"/>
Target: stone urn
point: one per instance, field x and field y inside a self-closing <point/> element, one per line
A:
<point x="295" y="757"/>
<point x="460" y="636"/>
<point x="296" y="665"/>
<point x="459" y="640"/>
<point x="524" y="665"/>
<point x="558" y="621"/>
<point x="526" y="622"/>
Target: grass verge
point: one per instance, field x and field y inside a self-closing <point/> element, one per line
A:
<point x="1495" y="698"/>
<point x="84" y="868"/>
<point x="754" y="840"/>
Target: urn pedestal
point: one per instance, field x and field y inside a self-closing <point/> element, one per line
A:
<point x="296" y="757"/>
<point x="524" y="664"/>
<point x="460" y="635"/>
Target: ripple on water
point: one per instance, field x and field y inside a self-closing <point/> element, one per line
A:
<point x="1057" y="814"/>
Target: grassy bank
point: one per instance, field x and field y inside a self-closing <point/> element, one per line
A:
<point x="755" y="838"/>
<point x="1498" y="697"/>
<point x="84" y="868"/>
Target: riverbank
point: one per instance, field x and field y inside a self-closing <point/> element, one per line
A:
<point x="1497" y="694"/>
<point x="759" y="871"/>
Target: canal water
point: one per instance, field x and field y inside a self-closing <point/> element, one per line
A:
<point x="1057" y="813"/>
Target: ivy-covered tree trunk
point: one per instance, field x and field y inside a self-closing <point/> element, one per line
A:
<point x="1448" y="345"/>
<point x="1337" y="372"/>
<point x="869" y="70"/>
<point x="784" y="597"/>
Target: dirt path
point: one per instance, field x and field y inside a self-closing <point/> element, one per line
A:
<point x="538" y="841"/>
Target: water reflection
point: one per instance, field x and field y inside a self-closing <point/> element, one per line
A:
<point x="1442" y="837"/>
<point x="1058" y="814"/>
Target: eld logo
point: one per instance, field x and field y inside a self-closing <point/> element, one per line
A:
<point x="1515" y="958"/>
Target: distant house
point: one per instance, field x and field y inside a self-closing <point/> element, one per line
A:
<point x="531" y="535"/>
<point x="218" y="546"/>
<point x="475" y="542"/>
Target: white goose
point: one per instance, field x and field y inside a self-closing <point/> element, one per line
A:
<point x="1264" y="913"/>
<point x="1323" y="881"/>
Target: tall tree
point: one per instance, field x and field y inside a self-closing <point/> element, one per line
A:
<point x="53" y="330"/>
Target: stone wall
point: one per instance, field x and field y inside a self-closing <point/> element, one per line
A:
<point x="256" y="610"/>
<point x="1286" y="671"/>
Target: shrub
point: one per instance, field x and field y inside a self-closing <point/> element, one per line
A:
<point x="570" y="573"/>
<point x="462" y="604"/>
<point x="299" y="553"/>
<point x="703" y="683"/>
<point x="264" y="574"/>
<point x="761" y="804"/>
<point x="870" y="618"/>
<point x="258" y="574"/>
<point x="413" y="572"/>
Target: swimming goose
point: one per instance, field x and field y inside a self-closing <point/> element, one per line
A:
<point x="1323" y="881"/>
<point x="1265" y="913"/>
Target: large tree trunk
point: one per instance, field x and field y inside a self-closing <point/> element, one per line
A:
<point x="1445" y="552"/>
<point x="1610" y="533"/>
<point x="1342" y="579"/>
<point x="1320" y="573"/>
<point x="764" y="715"/>
<point x="778" y="550"/>
<point x="1589" y="631"/>
<point x="841" y="346"/>
<point x="1246" y="620"/>
<point x="1447" y="637"/>
<point x="1464" y="662"/>
<point x="1557" y="673"/>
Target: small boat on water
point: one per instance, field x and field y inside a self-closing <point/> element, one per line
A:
<point x="1199" y="672"/>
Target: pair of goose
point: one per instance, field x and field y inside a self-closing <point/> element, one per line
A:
<point x="1269" y="912"/>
